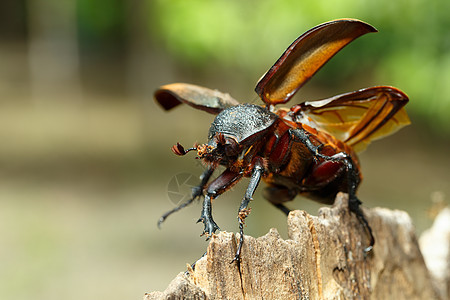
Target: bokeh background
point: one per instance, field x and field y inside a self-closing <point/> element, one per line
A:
<point x="85" y="165"/>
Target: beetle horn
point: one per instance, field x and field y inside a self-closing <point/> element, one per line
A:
<point x="179" y="150"/>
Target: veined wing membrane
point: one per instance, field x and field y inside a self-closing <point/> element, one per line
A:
<point x="360" y="117"/>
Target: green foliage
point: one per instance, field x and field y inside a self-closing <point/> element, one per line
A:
<point x="411" y="51"/>
<point x="100" y="19"/>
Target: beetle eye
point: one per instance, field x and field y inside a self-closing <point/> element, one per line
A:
<point x="232" y="148"/>
<point x="220" y="138"/>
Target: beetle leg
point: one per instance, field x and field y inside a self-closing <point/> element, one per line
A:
<point x="354" y="202"/>
<point x="215" y="189"/>
<point x="206" y="217"/>
<point x="243" y="208"/>
<point x="302" y="136"/>
<point x="197" y="191"/>
<point x="352" y="178"/>
<point x="352" y="182"/>
<point x="283" y="208"/>
<point x="277" y="195"/>
<point x="194" y="264"/>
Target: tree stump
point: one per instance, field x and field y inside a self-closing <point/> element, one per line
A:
<point x="435" y="246"/>
<point x="322" y="259"/>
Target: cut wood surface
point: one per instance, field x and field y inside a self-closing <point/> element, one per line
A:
<point x="322" y="259"/>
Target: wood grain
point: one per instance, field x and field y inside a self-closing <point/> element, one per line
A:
<point x="322" y="259"/>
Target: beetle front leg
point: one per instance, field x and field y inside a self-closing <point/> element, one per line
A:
<point x="206" y="217"/>
<point x="197" y="191"/>
<point x="219" y="185"/>
<point x="243" y="208"/>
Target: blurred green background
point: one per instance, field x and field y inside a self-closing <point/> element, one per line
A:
<point x="85" y="164"/>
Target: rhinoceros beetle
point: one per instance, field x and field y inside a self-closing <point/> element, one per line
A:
<point x="309" y="149"/>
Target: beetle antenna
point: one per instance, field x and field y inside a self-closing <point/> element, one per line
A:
<point x="179" y="150"/>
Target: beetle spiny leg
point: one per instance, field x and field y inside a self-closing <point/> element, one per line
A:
<point x="354" y="202"/>
<point x="352" y="179"/>
<point x="237" y="256"/>
<point x="283" y="208"/>
<point x="207" y="219"/>
<point x="354" y="206"/>
<point x="182" y="205"/>
<point x="197" y="192"/>
<point x="193" y="265"/>
<point x="244" y="211"/>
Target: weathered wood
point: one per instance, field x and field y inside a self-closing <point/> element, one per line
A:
<point x="322" y="259"/>
<point x="435" y="246"/>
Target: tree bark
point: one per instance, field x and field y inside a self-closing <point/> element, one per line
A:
<point x="322" y="259"/>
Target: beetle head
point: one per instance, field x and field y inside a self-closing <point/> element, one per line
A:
<point x="233" y="130"/>
<point x="219" y="147"/>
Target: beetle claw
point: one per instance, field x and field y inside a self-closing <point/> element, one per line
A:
<point x="210" y="226"/>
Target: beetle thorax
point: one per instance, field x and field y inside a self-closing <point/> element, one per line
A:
<point x="241" y="121"/>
